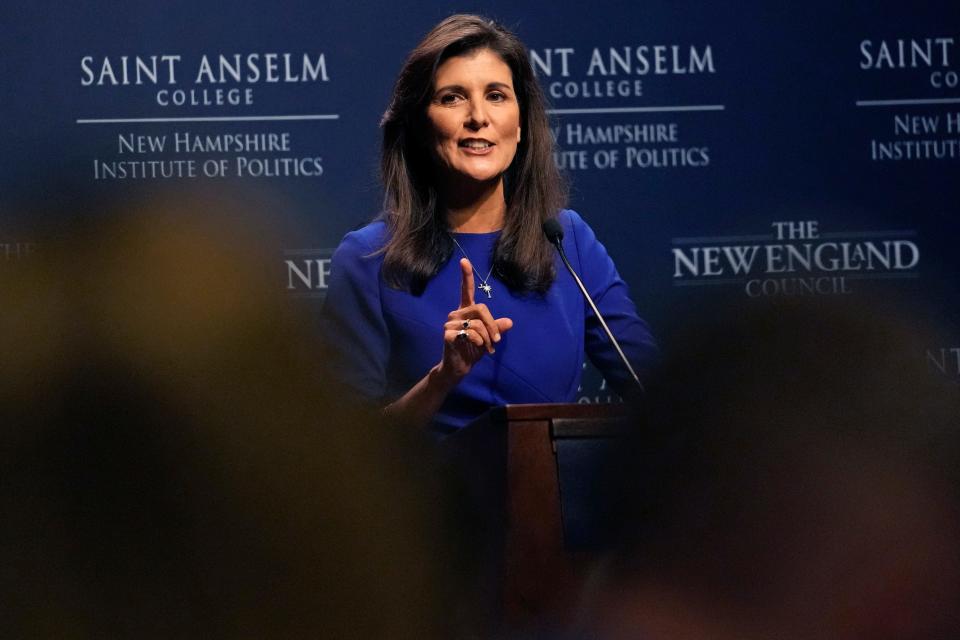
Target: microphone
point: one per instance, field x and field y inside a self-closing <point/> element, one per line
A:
<point x="554" y="233"/>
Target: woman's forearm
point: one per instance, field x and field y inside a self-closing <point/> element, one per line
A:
<point x="423" y="400"/>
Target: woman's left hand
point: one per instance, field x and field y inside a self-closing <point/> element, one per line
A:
<point x="470" y="330"/>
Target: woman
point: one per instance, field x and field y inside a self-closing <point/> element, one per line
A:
<point x="451" y="302"/>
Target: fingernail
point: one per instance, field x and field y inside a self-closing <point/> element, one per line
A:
<point x="496" y="337"/>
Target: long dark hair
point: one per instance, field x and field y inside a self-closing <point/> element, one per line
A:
<point x="419" y="242"/>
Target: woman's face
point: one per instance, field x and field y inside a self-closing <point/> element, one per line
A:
<point x="474" y="116"/>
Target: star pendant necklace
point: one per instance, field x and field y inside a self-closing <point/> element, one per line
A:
<point x="484" y="284"/>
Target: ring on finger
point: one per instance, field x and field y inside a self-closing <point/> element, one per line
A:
<point x="462" y="333"/>
<point x="466" y="324"/>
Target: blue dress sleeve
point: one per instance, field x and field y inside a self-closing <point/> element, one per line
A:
<point x="611" y="296"/>
<point x="353" y="316"/>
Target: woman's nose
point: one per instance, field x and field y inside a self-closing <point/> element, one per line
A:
<point x="477" y="117"/>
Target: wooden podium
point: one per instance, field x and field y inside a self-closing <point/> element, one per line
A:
<point x="509" y="458"/>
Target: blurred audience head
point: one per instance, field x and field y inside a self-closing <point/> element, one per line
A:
<point x="175" y="459"/>
<point x="794" y="476"/>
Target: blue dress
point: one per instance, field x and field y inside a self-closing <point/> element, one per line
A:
<point x="385" y="340"/>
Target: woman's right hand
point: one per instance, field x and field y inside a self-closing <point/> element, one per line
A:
<point x="470" y="330"/>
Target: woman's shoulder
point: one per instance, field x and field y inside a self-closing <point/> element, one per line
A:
<point x="570" y="219"/>
<point x="574" y="225"/>
<point x="365" y="240"/>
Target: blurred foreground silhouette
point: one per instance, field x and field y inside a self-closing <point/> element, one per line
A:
<point x="175" y="459"/>
<point x="796" y="477"/>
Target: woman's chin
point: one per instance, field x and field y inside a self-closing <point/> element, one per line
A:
<point x="474" y="178"/>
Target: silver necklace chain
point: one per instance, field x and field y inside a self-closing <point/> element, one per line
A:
<point x="484" y="286"/>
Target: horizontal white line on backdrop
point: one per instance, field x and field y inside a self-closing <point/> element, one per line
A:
<point x="693" y="107"/>
<point x="320" y="116"/>
<point x="914" y="101"/>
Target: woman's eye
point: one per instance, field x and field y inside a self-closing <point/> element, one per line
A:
<point x="449" y="98"/>
<point x="496" y="96"/>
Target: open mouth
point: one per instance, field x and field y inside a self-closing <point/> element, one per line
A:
<point x="475" y="144"/>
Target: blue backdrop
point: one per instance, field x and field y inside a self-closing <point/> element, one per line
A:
<point x="725" y="153"/>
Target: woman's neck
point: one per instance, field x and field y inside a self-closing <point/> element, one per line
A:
<point x="481" y="211"/>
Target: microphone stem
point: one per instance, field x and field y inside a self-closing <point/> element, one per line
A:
<point x="596" y="312"/>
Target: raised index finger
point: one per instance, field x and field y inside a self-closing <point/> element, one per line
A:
<point x="466" y="283"/>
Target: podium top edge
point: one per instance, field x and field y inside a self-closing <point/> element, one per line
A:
<point x="550" y="411"/>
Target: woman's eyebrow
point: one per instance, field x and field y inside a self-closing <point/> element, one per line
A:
<point x="457" y="87"/>
<point x="449" y="87"/>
